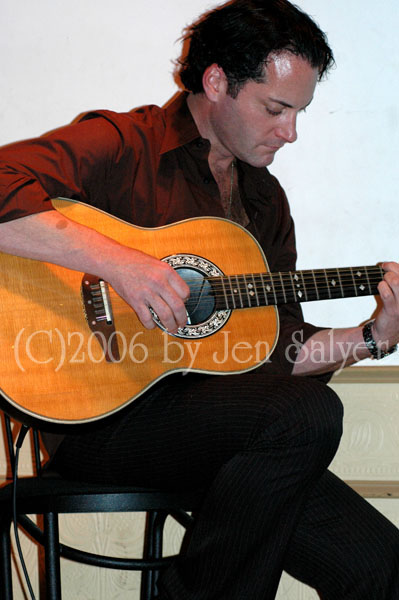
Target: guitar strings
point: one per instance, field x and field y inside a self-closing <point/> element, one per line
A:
<point x="279" y="281"/>
<point x="284" y="288"/>
<point x="289" y="276"/>
<point x="228" y="288"/>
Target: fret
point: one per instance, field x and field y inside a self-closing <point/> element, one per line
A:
<point x="340" y="283"/>
<point x="221" y="279"/>
<point x="310" y="286"/>
<point x="335" y="289"/>
<point x="231" y="291"/>
<point x="271" y="287"/>
<point x="243" y="291"/>
<point x="218" y="292"/>
<point x="249" y="288"/>
<point x="304" y="286"/>
<point x="353" y="279"/>
<point x="368" y="280"/>
<point x="298" y="288"/>
<point x="360" y="281"/>
<point x="378" y="272"/>
<point x="316" y="286"/>
<point x="266" y="288"/>
<point x="237" y="290"/>
<point x="293" y="286"/>
<point x="255" y="289"/>
<point x="327" y="285"/>
<point x="283" y="288"/>
<point x="381" y="277"/>
<point x="234" y="292"/>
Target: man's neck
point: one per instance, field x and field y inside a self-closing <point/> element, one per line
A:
<point x="219" y="158"/>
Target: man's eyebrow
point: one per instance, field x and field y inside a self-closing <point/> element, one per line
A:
<point x="281" y="102"/>
<point x="286" y="103"/>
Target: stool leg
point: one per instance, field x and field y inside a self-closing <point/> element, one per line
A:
<point x="5" y="565"/>
<point x="153" y="539"/>
<point x="52" y="556"/>
<point x="159" y="525"/>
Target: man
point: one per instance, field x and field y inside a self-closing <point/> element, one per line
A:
<point x="259" y="443"/>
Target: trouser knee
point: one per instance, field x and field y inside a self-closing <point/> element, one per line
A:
<point x="321" y="408"/>
<point x="321" y="412"/>
<point x="309" y="419"/>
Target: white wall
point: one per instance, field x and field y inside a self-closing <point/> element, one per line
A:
<point x="60" y="59"/>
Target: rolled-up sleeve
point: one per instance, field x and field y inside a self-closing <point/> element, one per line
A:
<point x="73" y="162"/>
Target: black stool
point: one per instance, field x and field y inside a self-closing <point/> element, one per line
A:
<point x="50" y="496"/>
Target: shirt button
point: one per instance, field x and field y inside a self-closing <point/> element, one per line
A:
<point x="199" y="143"/>
<point x="207" y="180"/>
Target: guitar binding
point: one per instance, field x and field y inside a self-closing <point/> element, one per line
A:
<point x="204" y="318"/>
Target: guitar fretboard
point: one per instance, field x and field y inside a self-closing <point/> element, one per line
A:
<point x="264" y="289"/>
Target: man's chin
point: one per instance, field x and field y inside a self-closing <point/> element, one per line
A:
<point x="259" y="159"/>
<point x="262" y="161"/>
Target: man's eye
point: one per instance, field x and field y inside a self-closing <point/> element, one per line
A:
<point x="274" y="113"/>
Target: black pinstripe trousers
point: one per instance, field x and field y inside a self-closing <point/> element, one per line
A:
<point x="260" y="446"/>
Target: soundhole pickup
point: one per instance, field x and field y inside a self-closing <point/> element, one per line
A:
<point x="98" y="312"/>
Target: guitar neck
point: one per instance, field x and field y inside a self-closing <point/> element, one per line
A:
<point x="264" y="289"/>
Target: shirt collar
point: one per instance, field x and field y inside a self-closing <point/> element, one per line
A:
<point x="180" y="126"/>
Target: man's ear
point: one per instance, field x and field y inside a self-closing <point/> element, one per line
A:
<point x="214" y="82"/>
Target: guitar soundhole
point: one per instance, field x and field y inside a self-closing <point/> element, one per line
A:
<point x="201" y="304"/>
<point x="203" y="316"/>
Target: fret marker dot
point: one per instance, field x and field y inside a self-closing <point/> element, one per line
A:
<point x="359" y="274"/>
<point x="300" y="294"/>
<point x="362" y="288"/>
<point x="268" y="288"/>
<point x="250" y="286"/>
<point x="333" y="282"/>
<point x="252" y="293"/>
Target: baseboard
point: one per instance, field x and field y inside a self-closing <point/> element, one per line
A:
<point x="376" y="489"/>
<point x="380" y="374"/>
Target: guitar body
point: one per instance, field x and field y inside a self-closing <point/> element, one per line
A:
<point x="52" y="366"/>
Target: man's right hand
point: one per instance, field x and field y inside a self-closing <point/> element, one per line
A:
<point x="141" y="280"/>
<point x="144" y="282"/>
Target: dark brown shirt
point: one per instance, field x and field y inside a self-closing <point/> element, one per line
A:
<point x="149" y="167"/>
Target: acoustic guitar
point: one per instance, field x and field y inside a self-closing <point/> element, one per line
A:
<point x="72" y="351"/>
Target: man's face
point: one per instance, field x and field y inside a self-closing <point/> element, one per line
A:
<point x="262" y="118"/>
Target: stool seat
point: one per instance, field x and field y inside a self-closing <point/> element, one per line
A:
<point x="69" y="496"/>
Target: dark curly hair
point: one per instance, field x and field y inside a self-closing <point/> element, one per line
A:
<point x="240" y="35"/>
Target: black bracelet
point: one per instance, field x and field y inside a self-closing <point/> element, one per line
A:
<point x="372" y="347"/>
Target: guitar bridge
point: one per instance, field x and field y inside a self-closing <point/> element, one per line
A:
<point x="98" y="312"/>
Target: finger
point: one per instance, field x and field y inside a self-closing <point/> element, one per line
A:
<point x="166" y="314"/>
<point x="176" y="303"/>
<point x="385" y="291"/>
<point x="144" y="315"/>
<point x="391" y="279"/>
<point x="175" y="293"/>
<point x="179" y="285"/>
<point x="168" y="304"/>
<point x="391" y="266"/>
<point x="178" y="308"/>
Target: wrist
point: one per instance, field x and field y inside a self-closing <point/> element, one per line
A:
<point x="375" y="351"/>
